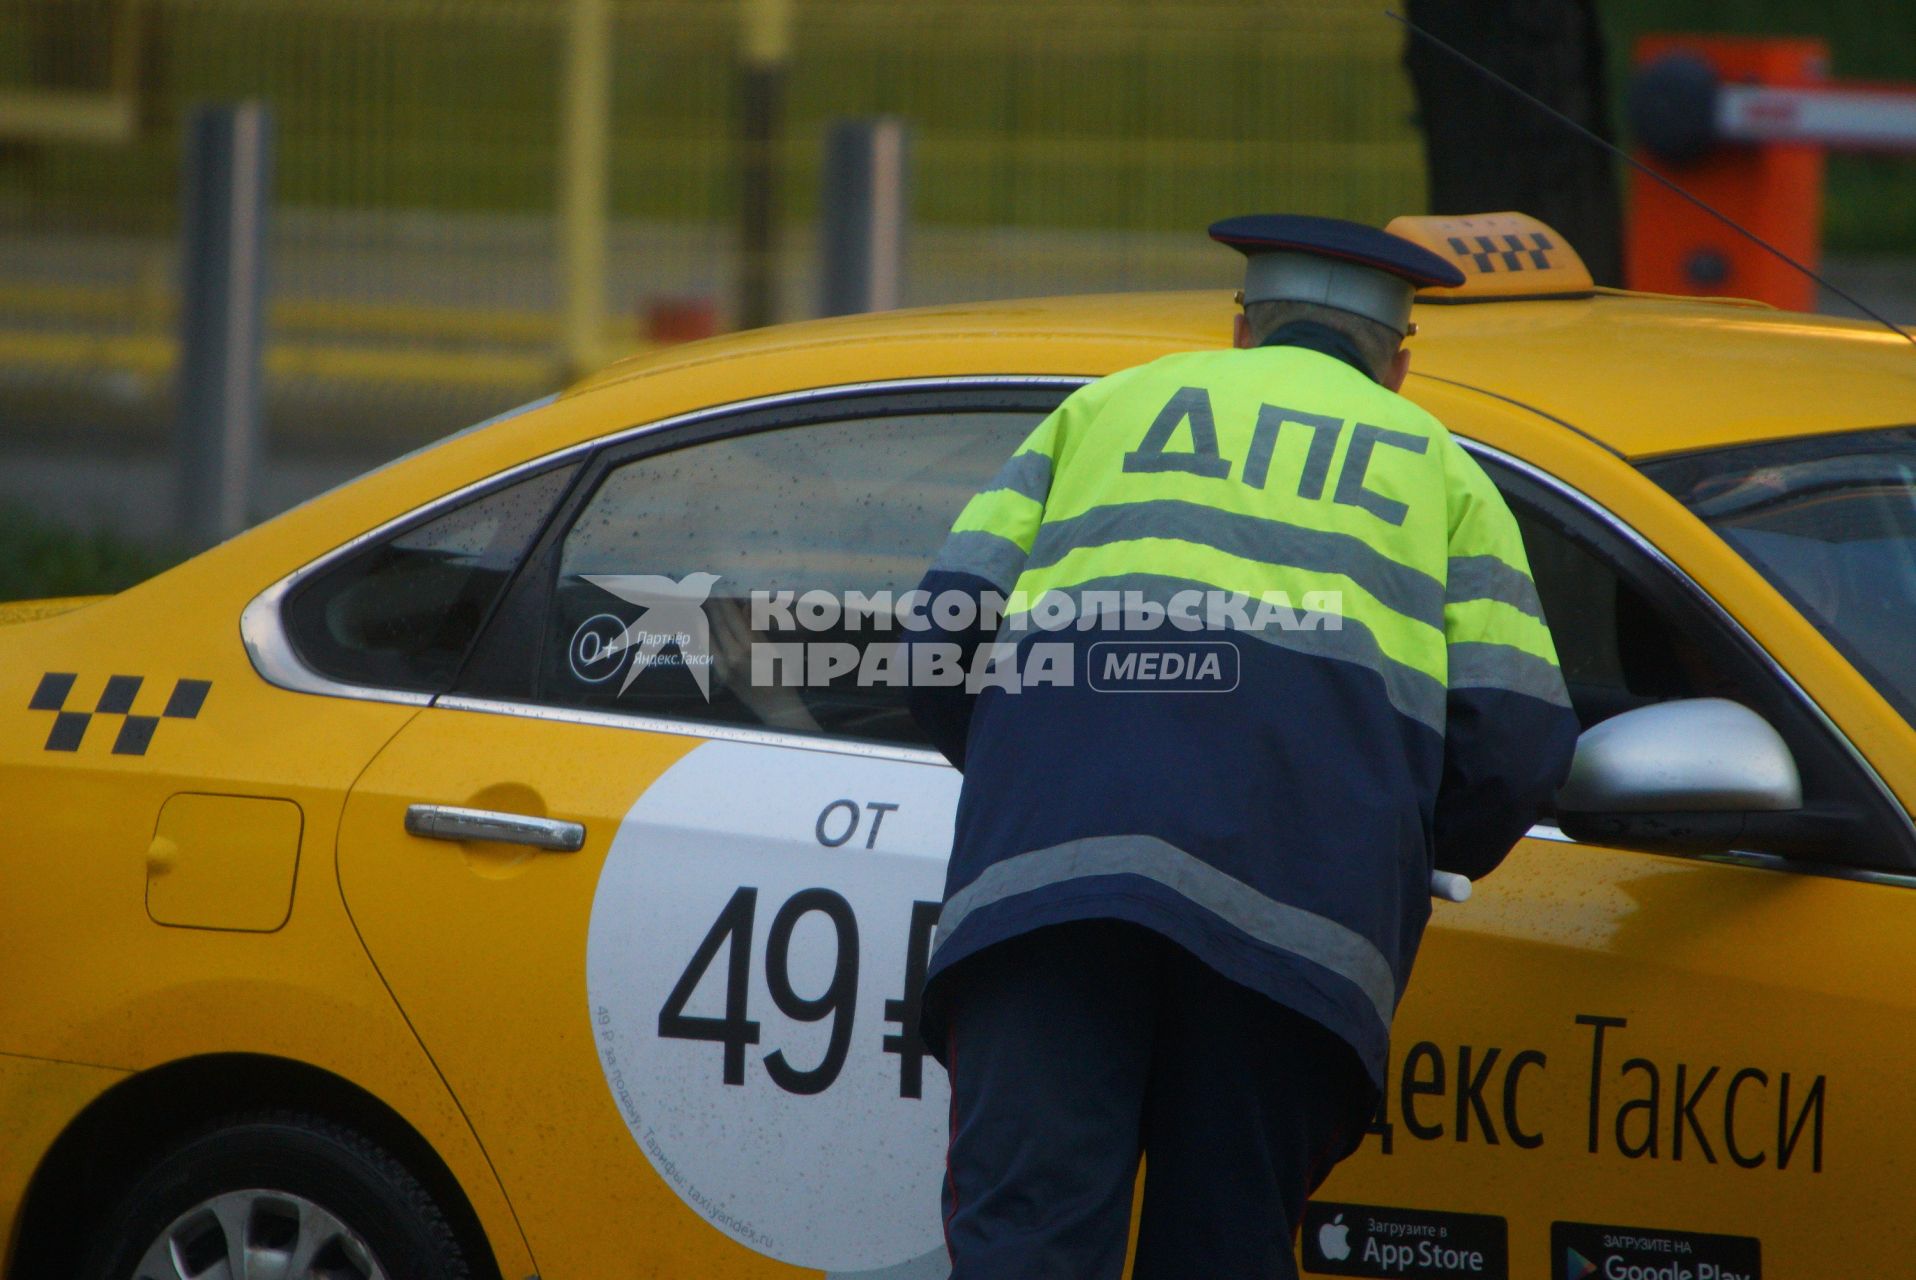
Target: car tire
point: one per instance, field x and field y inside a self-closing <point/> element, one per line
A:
<point x="311" y="1198"/>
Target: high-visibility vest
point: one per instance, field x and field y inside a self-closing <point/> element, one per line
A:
<point x="1270" y="652"/>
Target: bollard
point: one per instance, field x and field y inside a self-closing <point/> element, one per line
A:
<point x="224" y="201"/>
<point x="863" y="213"/>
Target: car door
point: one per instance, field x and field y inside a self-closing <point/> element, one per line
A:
<point x="660" y="924"/>
<point x="1657" y="1064"/>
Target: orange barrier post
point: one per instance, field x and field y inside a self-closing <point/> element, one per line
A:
<point x="1773" y="187"/>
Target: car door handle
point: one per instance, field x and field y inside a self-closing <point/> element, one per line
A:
<point x="450" y="822"/>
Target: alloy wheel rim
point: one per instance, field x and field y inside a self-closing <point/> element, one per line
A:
<point x="258" y="1234"/>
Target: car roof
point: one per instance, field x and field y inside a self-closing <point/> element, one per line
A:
<point x="1643" y="374"/>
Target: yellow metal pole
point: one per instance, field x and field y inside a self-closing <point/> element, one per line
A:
<point x="584" y="157"/>
<point x="765" y="47"/>
<point x="767" y="38"/>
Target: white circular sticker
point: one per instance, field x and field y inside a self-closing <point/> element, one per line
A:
<point x="595" y="654"/>
<point x="757" y="947"/>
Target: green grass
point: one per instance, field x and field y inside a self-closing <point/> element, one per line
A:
<point x="39" y="558"/>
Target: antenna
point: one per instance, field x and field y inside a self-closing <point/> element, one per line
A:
<point x="1645" y="169"/>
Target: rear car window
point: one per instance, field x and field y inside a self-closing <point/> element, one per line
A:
<point x="401" y="613"/>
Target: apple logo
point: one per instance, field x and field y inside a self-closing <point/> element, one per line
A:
<point x="1333" y="1239"/>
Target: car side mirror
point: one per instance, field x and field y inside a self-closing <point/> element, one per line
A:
<point x="1683" y="776"/>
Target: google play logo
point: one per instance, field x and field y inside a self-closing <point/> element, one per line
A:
<point x="1576" y="1266"/>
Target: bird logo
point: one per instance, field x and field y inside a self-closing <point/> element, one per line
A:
<point x="672" y="613"/>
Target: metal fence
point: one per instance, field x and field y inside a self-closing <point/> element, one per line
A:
<point x="1056" y="146"/>
<point x="416" y="269"/>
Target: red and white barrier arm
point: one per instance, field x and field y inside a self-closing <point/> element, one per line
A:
<point x="1841" y="117"/>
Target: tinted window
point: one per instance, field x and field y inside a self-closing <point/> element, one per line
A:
<point x="1831" y="522"/>
<point x="1629" y="633"/>
<point x="1617" y="649"/>
<point x="670" y="548"/>
<point x="402" y="613"/>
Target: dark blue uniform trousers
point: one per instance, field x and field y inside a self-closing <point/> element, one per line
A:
<point x="1072" y="1049"/>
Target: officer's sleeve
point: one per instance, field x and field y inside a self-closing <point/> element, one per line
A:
<point x="1510" y="731"/>
<point x="977" y="567"/>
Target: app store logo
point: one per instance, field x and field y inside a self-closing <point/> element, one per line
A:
<point x="1333" y="1239"/>
<point x="1389" y="1242"/>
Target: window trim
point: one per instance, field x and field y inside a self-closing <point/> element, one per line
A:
<point x="519" y="629"/>
<point x="566" y="472"/>
<point x="708" y="729"/>
<point x="1792" y="689"/>
<point x="273" y="657"/>
<point x="263" y="626"/>
<point x="263" y="631"/>
<point x="1664" y="470"/>
<point x="1747" y="859"/>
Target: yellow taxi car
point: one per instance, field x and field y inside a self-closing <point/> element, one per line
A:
<point x="372" y="906"/>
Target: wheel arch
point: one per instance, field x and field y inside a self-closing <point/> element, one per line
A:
<point x="131" y="1123"/>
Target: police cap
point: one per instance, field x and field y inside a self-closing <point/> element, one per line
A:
<point x="1347" y="265"/>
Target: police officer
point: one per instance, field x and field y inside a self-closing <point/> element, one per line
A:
<point x="1305" y="666"/>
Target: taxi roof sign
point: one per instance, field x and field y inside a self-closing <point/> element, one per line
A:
<point x="1502" y="255"/>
